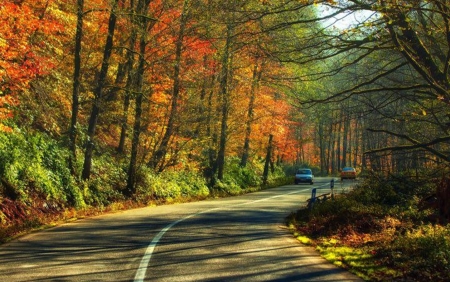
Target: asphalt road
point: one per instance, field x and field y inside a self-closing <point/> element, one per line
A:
<point x="233" y="239"/>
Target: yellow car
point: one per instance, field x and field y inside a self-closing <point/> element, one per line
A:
<point x="348" y="173"/>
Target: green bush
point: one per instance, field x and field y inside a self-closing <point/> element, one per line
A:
<point x="107" y="181"/>
<point x="424" y="250"/>
<point x="243" y="177"/>
<point x="192" y="184"/>
<point x="170" y="185"/>
<point x="238" y="180"/>
<point x="278" y="177"/>
<point x="34" y="164"/>
<point x="394" y="190"/>
<point x="228" y="187"/>
<point x="382" y="216"/>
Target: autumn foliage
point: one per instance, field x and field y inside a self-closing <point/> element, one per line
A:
<point x="118" y="103"/>
<point x="155" y="100"/>
<point x="24" y="27"/>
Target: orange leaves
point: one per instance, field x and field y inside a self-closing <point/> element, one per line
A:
<point x="6" y="101"/>
<point x="22" y="26"/>
<point x="19" y="39"/>
<point x="36" y="32"/>
<point x="15" y="32"/>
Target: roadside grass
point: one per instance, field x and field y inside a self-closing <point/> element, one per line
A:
<point x="380" y="231"/>
<point x="360" y="261"/>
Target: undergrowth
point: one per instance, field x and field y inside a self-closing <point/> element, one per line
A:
<point x="37" y="187"/>
<point x="381" y="231"/>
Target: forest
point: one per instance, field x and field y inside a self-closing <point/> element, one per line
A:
<point x="122" y="103"/>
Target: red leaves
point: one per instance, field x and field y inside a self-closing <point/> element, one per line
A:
<point x="16" y="27"/>
<point x="21" y="27"/>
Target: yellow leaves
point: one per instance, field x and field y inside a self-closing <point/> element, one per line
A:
<point x="4" y="128"/>
<point x="3" y="43"/>
<point x="421" y="111"/>
<point x="317" y="2"/>
<point x="442" y="98"/>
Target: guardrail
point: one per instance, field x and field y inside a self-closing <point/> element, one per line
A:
<point x="314" y="198"/>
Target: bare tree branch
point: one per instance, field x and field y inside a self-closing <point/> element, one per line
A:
<point x="415" y="144"/>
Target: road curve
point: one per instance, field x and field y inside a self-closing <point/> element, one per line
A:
<point x="232" y="239"/>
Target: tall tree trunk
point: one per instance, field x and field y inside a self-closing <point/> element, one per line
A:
<point x="160" y="153"/>
<point x="248" y="125"/>
<point x="330" y="149"/>
<point x="76" y="87"/>
<point x="225" y="103"/>
<point x="357" y="138"/>
<point x="268" y="160"/>
<point x="338" y="146"/>
<point x="211" y="131"/>
<point x="124" y="120"/>
<point x="345" y="141"/>
<point x="322" y="142"/>
<point x="131" y="180"/>
<point x="130" y="81"/>
<point x="142" y="8"/>
<point x="334" y="148"/>
<point x="95" y="112"/>
<point x="363" y="145"/>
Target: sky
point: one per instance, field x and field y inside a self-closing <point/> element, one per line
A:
<point x="345" y="20"/>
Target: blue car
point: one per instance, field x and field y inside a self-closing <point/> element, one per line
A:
<point x="304" y="175"/>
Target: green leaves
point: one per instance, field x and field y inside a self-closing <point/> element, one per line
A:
<point x="35" y="165"/>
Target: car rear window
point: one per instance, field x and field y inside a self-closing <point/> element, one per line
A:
<point x="304" y="171"/>
<point x="347" y="169"/>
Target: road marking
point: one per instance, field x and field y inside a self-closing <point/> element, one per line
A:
<point x="28" y="265"/>
<point x="140" y="273"/>
<point x="143" y="266"/>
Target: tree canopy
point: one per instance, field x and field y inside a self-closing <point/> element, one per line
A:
<point x="173" y="85"/>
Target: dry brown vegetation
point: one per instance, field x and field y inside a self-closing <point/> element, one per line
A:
<point x="382" y="230"/>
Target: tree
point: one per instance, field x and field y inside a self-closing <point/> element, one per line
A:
<point x="142" y="22"/>
<point x="162" y="149"/>
<point x="76" y="84"/>
<point x="406" y="45"/>
<point x="248" y="125"/>
<point x="268" y="159"/>
<point x="99" y="95"/>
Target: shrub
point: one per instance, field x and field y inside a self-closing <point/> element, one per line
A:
<point x="381" y="216"/>
<point x="228" y="187"/>
<point x="170" y="185"/>
<point x="278" y="177"/>
<point x="34" y="164"/>
<point x="108" y="179"/>
<point x="341" y="216"/>
<point x="395" y="189"/>
<point x="243" y="177"/>
<point x="425" y="251"/>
